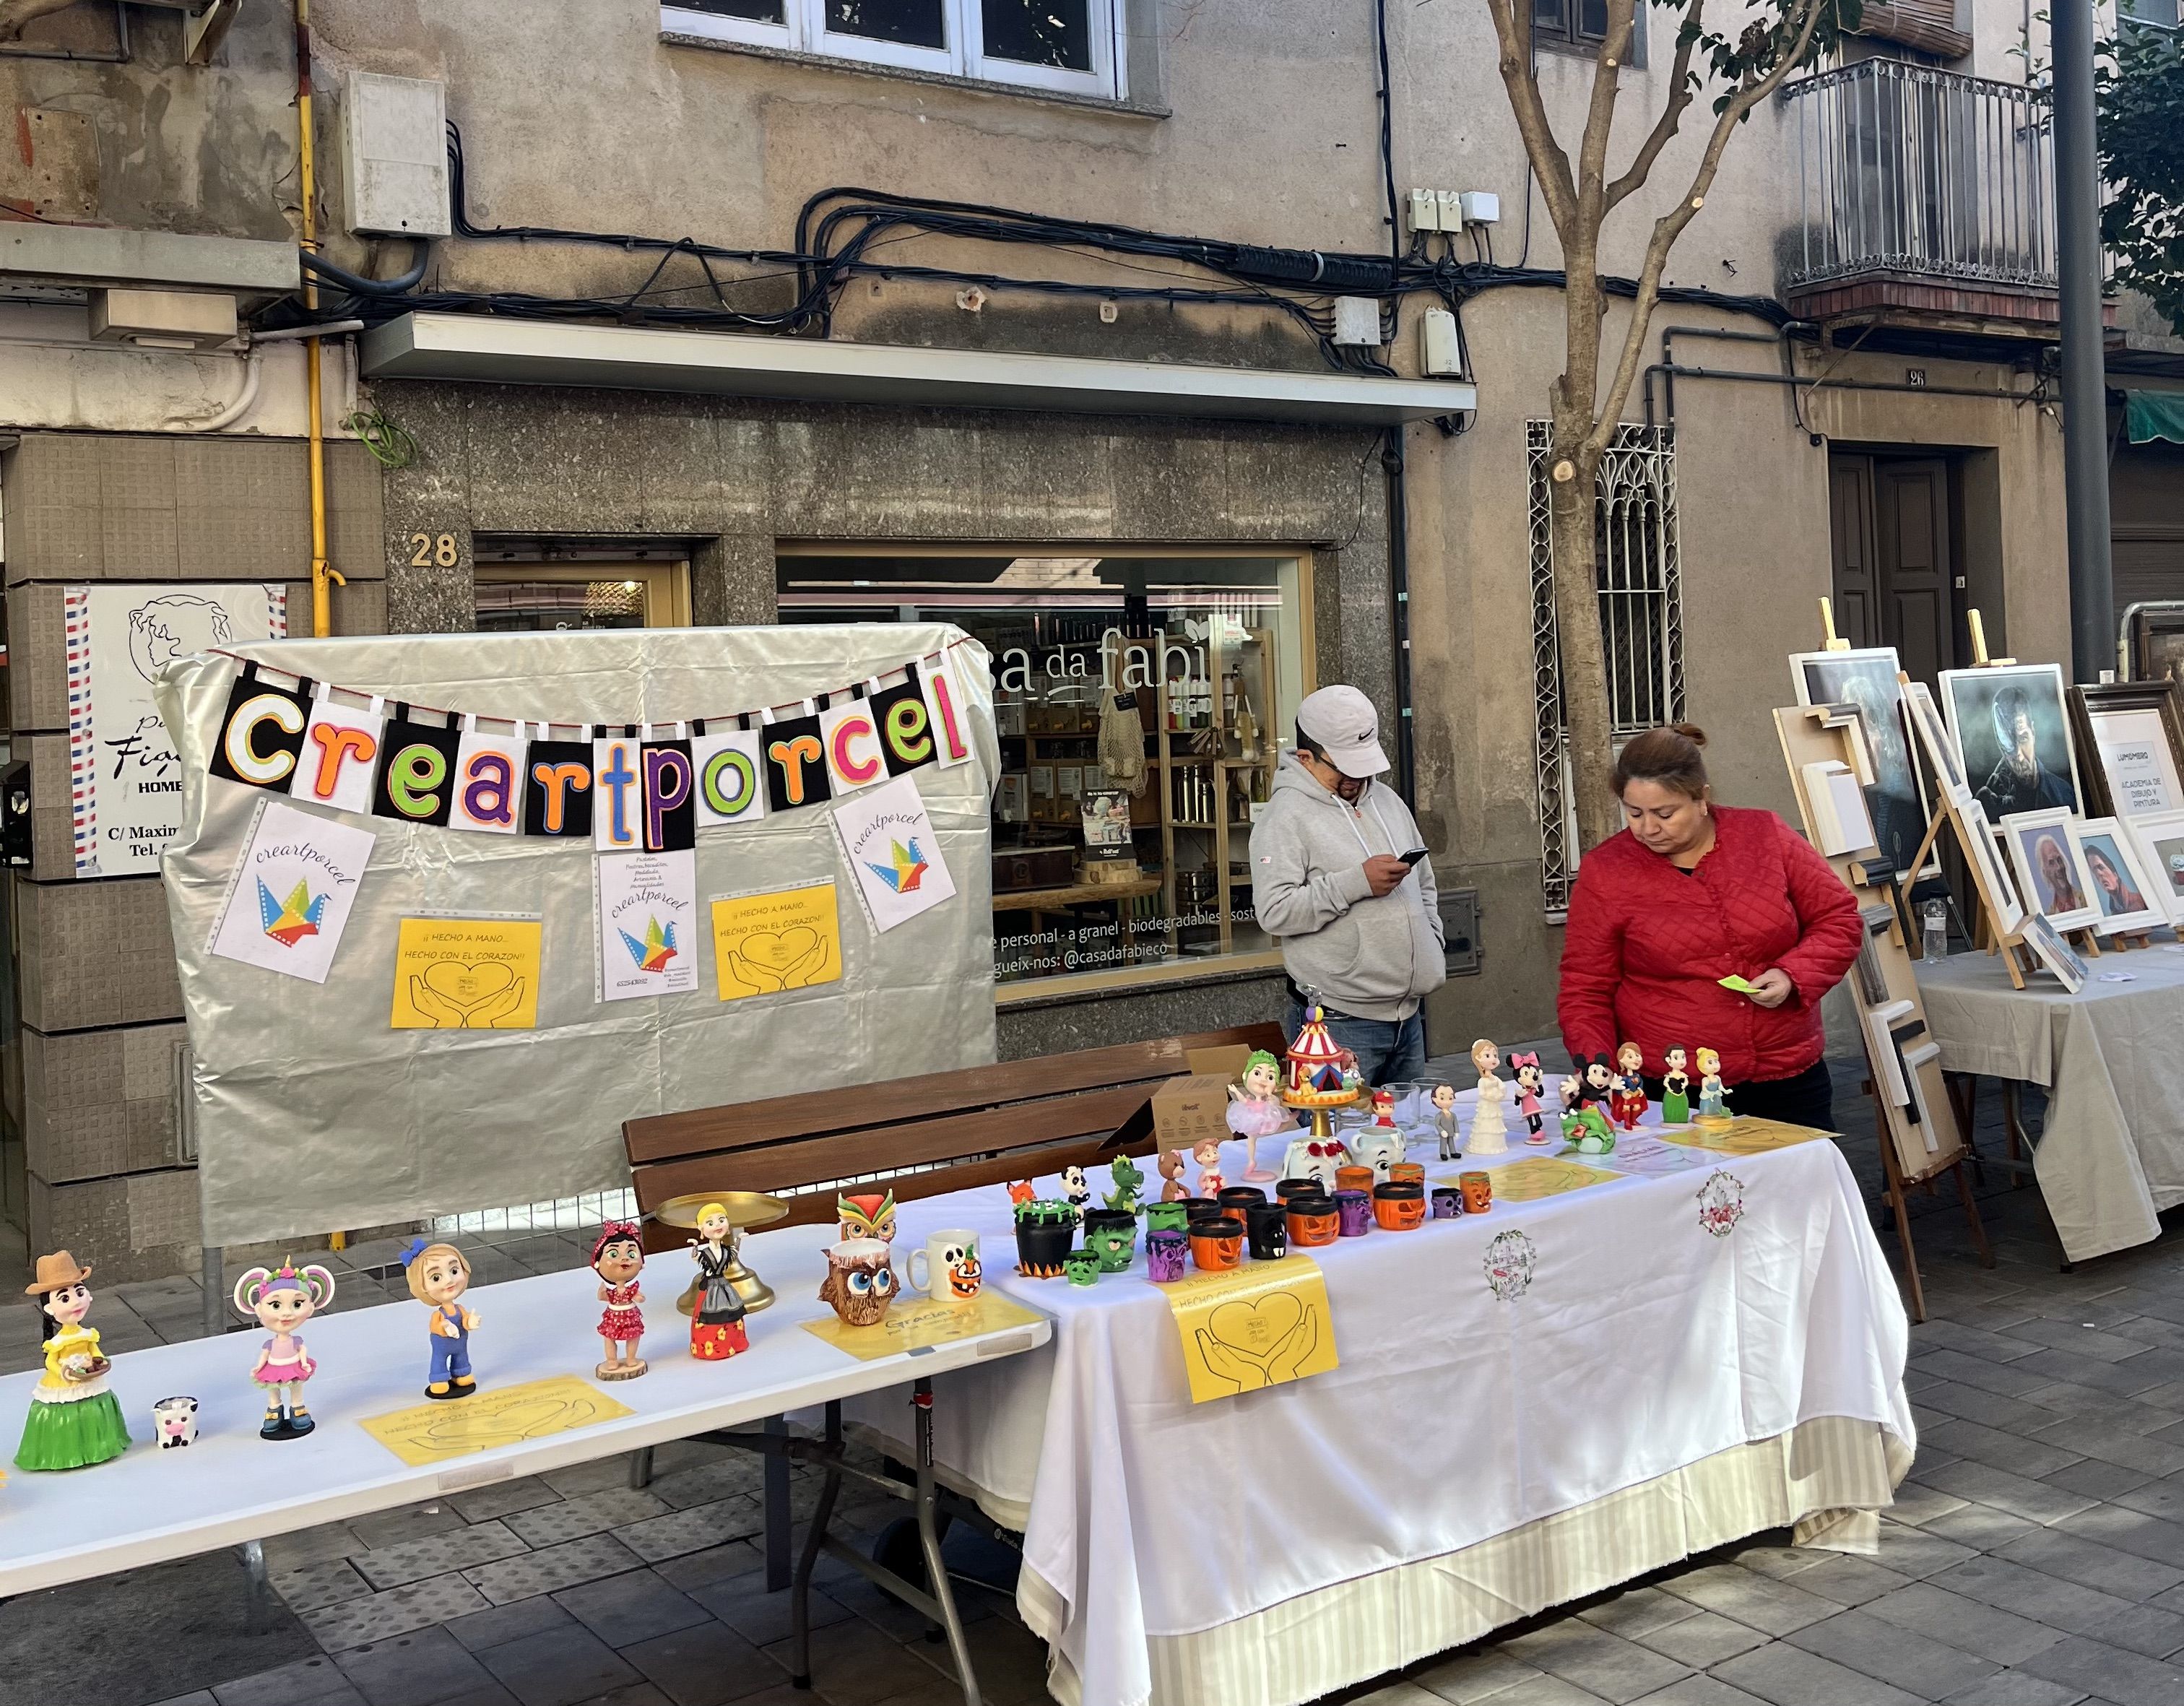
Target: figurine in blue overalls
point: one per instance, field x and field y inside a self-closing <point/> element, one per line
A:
<point x="438" y="1277"/>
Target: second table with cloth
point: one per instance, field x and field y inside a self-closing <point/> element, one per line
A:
<point x="2110" y="1155"/>
<point x="1658" y="1363"/>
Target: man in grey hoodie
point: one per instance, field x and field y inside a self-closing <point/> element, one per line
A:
<point x="1360" y="928"/>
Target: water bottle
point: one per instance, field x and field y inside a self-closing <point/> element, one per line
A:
<point x="1936" y="934"/>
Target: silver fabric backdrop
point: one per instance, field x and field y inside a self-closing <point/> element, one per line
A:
<point x="313" y="1114"/>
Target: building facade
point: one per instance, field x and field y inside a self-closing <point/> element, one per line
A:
<point x="1023" y="317"/>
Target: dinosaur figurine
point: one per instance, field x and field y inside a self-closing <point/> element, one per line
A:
<point x="1123" y="1198"/>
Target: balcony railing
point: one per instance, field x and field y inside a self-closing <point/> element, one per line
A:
<point x="1906" y="170"/>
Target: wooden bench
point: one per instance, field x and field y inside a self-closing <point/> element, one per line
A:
<point x="918" y="1136"/>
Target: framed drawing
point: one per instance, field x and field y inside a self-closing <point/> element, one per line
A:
<point x="2126" y="899"/>
<point x="2131" y="746"/>
<point x="1979" y="850"/>
<point x="1935" y="746"/>
<point x="1868" y="680"/>
<point x="2057" y="955"/>
<point x="2049" y="867"/>
<point x="2157" y="651"/>
<point x="2159" y="837"/>
<point x="2012" y="737"/>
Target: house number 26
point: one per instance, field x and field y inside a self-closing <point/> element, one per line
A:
<point x="433" y="550"/>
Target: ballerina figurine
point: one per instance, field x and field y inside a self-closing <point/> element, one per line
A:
<point x="1255" y="1111"/>
<point x="1488" y="1129"/>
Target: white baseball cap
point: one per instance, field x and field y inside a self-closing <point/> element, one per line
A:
<point x="1342" y="724"/>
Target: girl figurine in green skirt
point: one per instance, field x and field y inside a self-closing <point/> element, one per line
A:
<point x="73" y="1421"/>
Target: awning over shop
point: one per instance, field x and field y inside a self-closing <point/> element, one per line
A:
<point x="519" y="352"/>
<point x="2151" y="414"/>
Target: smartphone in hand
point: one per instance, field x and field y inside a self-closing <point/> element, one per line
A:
<point x="1412" y="857"/>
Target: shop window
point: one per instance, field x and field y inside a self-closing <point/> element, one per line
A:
<point x="565" y="598"/>
<point x="1094" y="885"/>
<point x="1581" y="25"/>
<point x="1070" y="45"/>
<point x="1641" y="621"/>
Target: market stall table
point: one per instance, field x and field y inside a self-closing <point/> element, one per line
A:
<point x="2111" y="1155"/>
<point x="232" y="1487"/>
<point x="1531" y="1405"/>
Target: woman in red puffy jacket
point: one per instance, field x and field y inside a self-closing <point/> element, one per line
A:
<point x="1690" y="893"/>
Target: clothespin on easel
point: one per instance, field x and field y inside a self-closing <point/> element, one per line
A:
<point x="1833" y="641"/>
<point x="1980" y="659"/>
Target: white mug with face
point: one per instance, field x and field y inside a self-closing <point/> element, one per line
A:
<point x="175" y="1422"/>
<point x="946" y="1267"/>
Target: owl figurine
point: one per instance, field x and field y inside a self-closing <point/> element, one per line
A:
<point x="859" y="1282"/>
<point x="868" y="1216"/>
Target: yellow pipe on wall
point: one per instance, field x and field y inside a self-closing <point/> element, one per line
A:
<point x="323" y="576"/>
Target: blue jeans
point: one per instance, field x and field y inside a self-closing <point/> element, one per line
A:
<point x="1388" y="1052"/>
<point x="451" y="1359"/>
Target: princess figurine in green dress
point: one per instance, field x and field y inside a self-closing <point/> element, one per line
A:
<point x="73" y="1421"/>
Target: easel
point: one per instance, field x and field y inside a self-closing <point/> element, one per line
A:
<point x="1915" y="1118"/>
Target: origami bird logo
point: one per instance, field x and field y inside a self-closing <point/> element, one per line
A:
<point x="904" y="872"/>
<point x="289" y="922"/>
<point x="655" y="950"/>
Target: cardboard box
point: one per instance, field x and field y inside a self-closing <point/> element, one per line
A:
<point x="1192" y="1110"/>
<point x="1226" y="1061"/>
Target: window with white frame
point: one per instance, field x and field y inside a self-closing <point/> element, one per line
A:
<point x="1073" y="46"/>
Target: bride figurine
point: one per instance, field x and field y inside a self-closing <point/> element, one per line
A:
<point x="1488" y="1135"/>
<point x="1255" y="1111"/>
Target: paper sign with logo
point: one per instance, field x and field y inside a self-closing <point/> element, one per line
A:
<point x="647" y="923"/>
<point x="289" y="900"/>
<point x="894" y="852"/>
<point x="124" y="778"/>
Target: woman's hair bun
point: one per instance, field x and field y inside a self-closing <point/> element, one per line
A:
<point x="1691" y="731"/>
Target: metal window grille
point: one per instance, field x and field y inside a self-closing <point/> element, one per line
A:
<point x="1642" y="619"/>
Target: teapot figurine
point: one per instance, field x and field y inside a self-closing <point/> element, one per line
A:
<point x="1314" y="1157"/>
<point x="1378" y="1147"/>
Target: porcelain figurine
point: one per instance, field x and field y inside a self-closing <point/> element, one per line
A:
<point x="1585" y="1129"/>
<point x="1569" y="1091"/>
<point x="1376" y="1147"/>
<point x="1628" y="1105"/>
<point x="439" y="1275"/>
<point x="1123" y="1173"/>
<point x="175" y="1422"/>
<point x="74" y="1421"/>
<point x="1207" y="1155"/>
<point x="868" y="1215"/>
<point x="1712" y="1093"/>
<point x="860" y="1281"/>
<point x="1488" y="1121"/>
<point x="281" y="1301"/>
<point x="1676" y="1090"/>
<point x="1169" y="1164"/>
<point x="1074" y="1190"/>
<point x="1384" y="1108"/>
<point x="618" y="1258"/>
<point x="1445" y="1122"/>
<point x="1314" y="1157"/>
<point x="1256" y="1108"/>
<point x="716" y="1314"/>
<point x="1530" y="1082"/>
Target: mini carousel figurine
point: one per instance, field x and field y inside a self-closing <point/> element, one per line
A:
<point x="73" y="1421"/>
<point x="281" y="1302"/>
<point x="1129" y="1180"/>
<point x="1530" y="1080"/>
<point x="1445" y="1122"/>
<point x="618" y="1258"/>
<point x="1676" y="1090"/>
<point x="1170" y="1165"/>
<point x="870" y="1215"/>
<point x="1626" y="1104"/>
<point x="1489" y="1123"/>
<point x="1712" y="1093"/>
<point x="1207" y="1155"/>
<point x="438" y="1276"/>
<point x="1255" y="1110"/>
<point x="716" y="1314"/>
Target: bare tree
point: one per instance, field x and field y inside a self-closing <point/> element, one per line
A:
<point x="1580" y="196"/>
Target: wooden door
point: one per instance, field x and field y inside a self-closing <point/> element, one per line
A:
<point x="1857" y="590"/>
<point x="1911" y="510"/>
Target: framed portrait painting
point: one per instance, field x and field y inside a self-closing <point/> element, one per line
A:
<point x="2121" y="889"/>
<point x="2051" y="872"/>
<point x="1867" y="680"/>
<point x="2057" y="955"/>
<point x="2012" y="731"/>
<point x="2159" y="837"/>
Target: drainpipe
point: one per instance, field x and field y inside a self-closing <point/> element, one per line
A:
<point x="2084" y="386"/>
<point x="323" y="577"/>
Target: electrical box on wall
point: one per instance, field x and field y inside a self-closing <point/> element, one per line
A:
<point x="1441" y="351"/>
<point x="1459" y="926"/>
<point x="1357" y="321"/>
<point x="394" y="155"/>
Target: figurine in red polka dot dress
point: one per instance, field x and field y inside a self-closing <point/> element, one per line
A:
<point x="618" y="1258"/>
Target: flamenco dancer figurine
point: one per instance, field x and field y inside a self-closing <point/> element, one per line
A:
<point x="717" y="1315"/>
<point x="438" y="1276"/>
<point x="1627" y="1104"/>
<point x="1489" y="1126"/>
<point x="1255" y="1110"/>
<point x="1676" y="1090"/>
<point x="281" y="1302"/>
<point x="73" y="1421"/>
<point x="1713" y="1092"/>
<point x="1530" y="1082"/>
<point x="618" y="1258"/>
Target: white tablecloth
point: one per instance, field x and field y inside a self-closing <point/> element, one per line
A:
<point x="2111" y="1150"/>
<point x="1643" y="1345"/>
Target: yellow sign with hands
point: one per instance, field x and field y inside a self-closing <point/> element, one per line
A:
<point x="1262" y="1324"/>
<point x="788" y="940"/>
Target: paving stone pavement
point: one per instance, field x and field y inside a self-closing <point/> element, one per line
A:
<point x="2034" y="1556"/>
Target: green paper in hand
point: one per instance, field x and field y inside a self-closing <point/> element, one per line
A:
<point x="1742" y="986"/>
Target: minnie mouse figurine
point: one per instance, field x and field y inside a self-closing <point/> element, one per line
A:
<point x="1530" y="1080"/>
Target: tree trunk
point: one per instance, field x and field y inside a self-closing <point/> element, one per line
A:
<point x="1583" y="657"/>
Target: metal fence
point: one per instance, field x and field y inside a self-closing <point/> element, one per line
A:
<point x="1904" y="169"/>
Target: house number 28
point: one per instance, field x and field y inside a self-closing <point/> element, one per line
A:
<point x="433" y="550"/>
